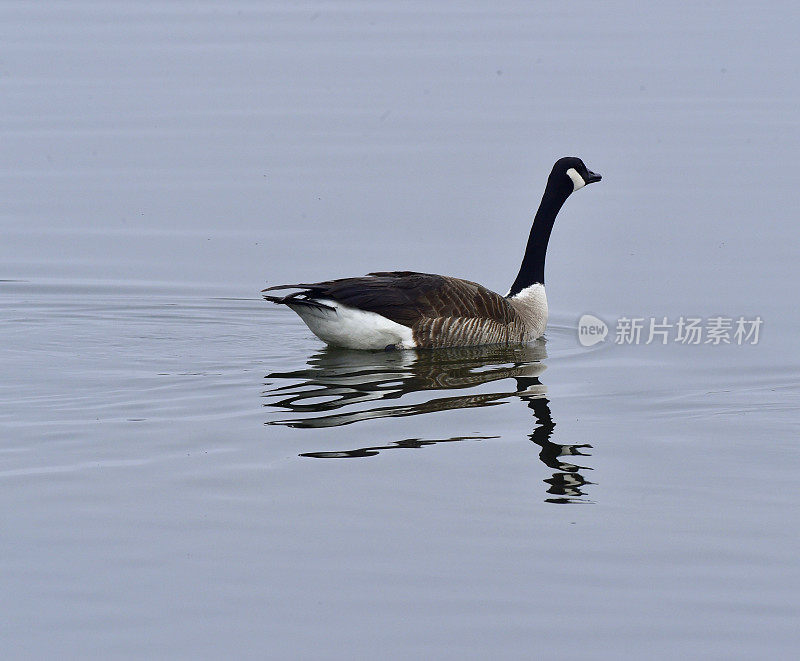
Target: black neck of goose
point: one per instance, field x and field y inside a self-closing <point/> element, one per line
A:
<point x="532" y="269"/>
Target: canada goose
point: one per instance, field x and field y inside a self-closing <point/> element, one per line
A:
<point x="405" y="310"/>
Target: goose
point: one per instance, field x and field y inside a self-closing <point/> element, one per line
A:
<point x="388" y="310"/>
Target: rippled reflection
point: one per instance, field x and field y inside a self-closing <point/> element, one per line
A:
<point x="340" y="387"/>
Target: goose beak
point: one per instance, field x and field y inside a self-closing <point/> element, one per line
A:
<point x="592" y="177"/>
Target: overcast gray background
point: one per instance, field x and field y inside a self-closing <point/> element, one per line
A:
<point x="159" y="159"/>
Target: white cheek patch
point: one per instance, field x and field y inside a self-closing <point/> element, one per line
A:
<point x="577" y="180"/>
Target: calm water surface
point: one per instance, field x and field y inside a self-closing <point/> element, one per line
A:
<point x="187" y="472"/>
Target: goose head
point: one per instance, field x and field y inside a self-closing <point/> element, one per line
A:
<point x="569" y="174"/>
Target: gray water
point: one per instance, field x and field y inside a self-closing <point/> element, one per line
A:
<point x="187" y="472"/>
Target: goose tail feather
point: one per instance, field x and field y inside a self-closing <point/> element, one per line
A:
<point x="294" y="299"/>
<point x="297" y="286"/>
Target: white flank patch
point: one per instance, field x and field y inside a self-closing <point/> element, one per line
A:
<point x="531" y="303"/>
<point x="353" y="328"/>
<point x="577" y="180"/>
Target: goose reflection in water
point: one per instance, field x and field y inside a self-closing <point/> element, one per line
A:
<point x="337" y="384"/>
